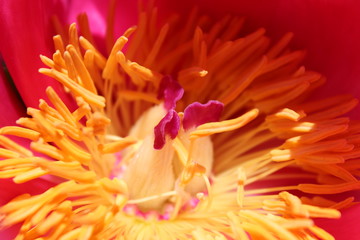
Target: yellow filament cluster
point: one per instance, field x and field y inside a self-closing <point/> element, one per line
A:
<point x="269" y="141"/>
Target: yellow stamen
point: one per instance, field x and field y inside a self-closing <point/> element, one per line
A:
<point x="224" y="126"/>
<point x="134" y="95"/>
<point x="232" y="94"/>
<point x="117" y="146"/>
<point x="329" y="189"/>
<point x="321" y="233"/>
<point x="59" y="44"/>
<point x="110" y="21"/>
<point x="81" y="70"/>
<point x="73" y="37"/>
<point x="20" y="132"/>
<point x="110" y="66"/>
<point x="78" y="90"/>
<point x="11" y="145"/>
<point x="157" y="45"/>
<point x="83" y="21"/>
<point x="29" y="175"/>
<point x="5" y="153"/>
<point x="59" y="61"/>
<point x="48" y="150"/>
<point x="269" y="225"/>
<point x="100" y="60"/>
<point x="60" y="106"/>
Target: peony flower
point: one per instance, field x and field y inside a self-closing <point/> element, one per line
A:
<point x="190" y="126"/>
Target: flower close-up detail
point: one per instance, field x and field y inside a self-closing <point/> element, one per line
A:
<point x="154" y="120"/>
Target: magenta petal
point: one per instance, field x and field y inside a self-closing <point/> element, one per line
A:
<point x="10" y="190"/>
<point x="347" y="227"/>
<point x="171" y="91"/>
<point x="11" y="107"/>
<point x="126" y="15"/>
<point x="196" y="113"/>
<point x="169" y="125"/>
<point x="26" y="33"/>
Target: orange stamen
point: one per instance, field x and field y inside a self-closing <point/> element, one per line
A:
<point x="224" y="126"/>
<point x="81" y="70"/>
<point x="110" y="20"/>
<point x="79" y="90"/>
<point x="59" y="44"/>
<point x="11" y="145"/>
<point x="83" y="21"/>
<point x="100" y="60"/>
<point x="117" y="146"/>
<point x="20" y="132"/>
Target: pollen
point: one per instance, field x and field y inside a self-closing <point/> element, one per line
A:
<point x="192" y="130"/>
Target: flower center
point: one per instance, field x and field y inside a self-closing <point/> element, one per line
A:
<point x="154" y="175"/>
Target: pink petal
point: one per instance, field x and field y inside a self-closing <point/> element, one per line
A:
<point x="26" y="29"/>
<point x="347" y="227"/>
<point x="11" y="107"/>
<point x="10" y="190"/>
<point x="126" y="14"/>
